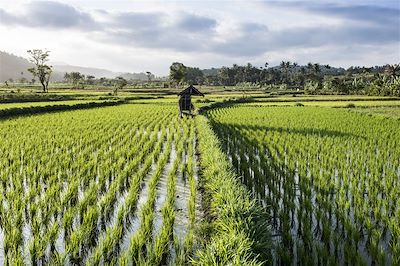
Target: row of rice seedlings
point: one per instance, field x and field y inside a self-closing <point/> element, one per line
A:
<point x="109" y="201"/>
<point x="85" y="203"/>
<point x="189" y="168"/>
<point x="104" y="203"/>
<point x="108" y="246"/>
<point x="37" y="249"/>
<point x="38" y="244"/>
<point x="84" y="237"/>
<point x="43" y="224"/>
<point x="158" y="250"/>
<point x="13" y="205"/>
<point x="136" y="248"/>
<point x="239" y="227"/>
<point x="284" y="217"/>
<point x="82" y="206"/>
<point x="40" y="213"/>
<point x="349" y="206"/>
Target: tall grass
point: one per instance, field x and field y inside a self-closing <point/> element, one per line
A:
<point x="237" y="227"/>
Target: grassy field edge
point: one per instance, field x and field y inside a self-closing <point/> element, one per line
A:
<point x="19" y="111"/>
<point x="237" y="228"/>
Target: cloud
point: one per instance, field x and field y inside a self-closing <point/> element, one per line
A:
<point x="195" y="23"/>
<point x="189" y="32"/>
<point x="359" y="26"/>
<point x="251" y="27"/>
<point x="49" y="14"/>
<point x="182" y="32"/>
<point x="227" y="36"/>
<point x="261" y="40"/>
<point x="251" y="39"/>
<point x="6" y="18"/>
<point x="369" y="14"/>
<point x="363" y="13"/>
<point x="137" y="20"/>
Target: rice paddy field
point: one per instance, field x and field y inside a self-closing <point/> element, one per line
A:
<point x="238" y="184"/>
<point x="338" y="104"/>
<point x="98" y="186"/>
<point x="4" y="106"/>
<point x="329" y="177"/>
<point x="391" y="112"/>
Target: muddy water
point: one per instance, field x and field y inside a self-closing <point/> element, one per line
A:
<point x="60" y="244"/>
<point x="183" y="194"/>
<point x="199" y="212"/>
<point x="181" y="202"/>
<point x="26" y="236"/>
<point x="135" y="221"/>
<point x="161" y="193"/>
<point x="181" y="207"/>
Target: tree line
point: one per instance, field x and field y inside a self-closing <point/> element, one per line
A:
<point x="313" y="78"/>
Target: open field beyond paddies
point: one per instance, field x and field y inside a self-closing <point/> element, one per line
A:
<point x="343" y="103"/>
<point x="393" y="112"/>
<point x="34" y="104"/>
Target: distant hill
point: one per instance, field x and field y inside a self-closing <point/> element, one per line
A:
<point x="13" y="67"/>
<point x="97" y="72"/>
<point x="16" y="67"/>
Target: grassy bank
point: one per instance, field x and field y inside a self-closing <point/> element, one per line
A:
<point x="237" y="227"/>
<point x="18" y="111"/>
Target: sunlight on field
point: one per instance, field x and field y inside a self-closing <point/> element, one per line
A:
<point x="30" y="104"/>
<point x="393" y="112"/>
<point x="329" y="177"/>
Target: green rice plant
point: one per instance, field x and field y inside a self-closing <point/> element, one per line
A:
<point x="67" y="220"/>
<point x="159" y="252"/>
<point x="146" y="213"/>
<point x="14" y="258"/>
<point x="241" y="232"/>
<point x="231" y="248"/>
<point x="51" y="235"/>
<point x="343" y="161"/>
<point x="36" y="251"/>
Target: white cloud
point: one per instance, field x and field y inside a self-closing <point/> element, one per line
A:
<point x="150" y="35"/>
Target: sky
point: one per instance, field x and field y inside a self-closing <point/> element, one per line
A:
<point x="137" y="36"/>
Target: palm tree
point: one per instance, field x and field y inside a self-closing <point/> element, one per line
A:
<point x="392" y="70"/>
<point x="286" y="66"/>
<point x="310" y="71"/>
<point x="317" y="68"/>
<point x="302" y="76"/>
<point x="365" y="70"/>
